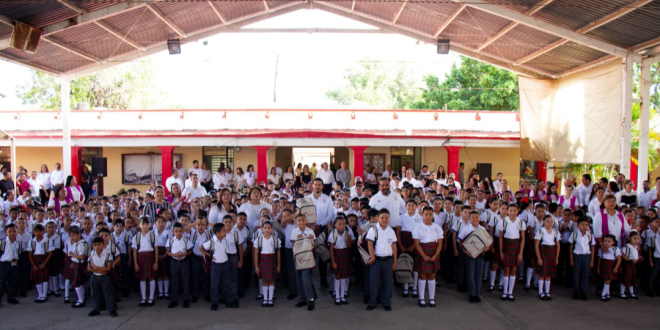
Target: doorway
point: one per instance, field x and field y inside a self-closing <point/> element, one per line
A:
<point x="308" y="156"/>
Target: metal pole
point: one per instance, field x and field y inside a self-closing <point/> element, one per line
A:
<point x="13" y="157"/>
<point x="644" y="118"/>
<point x="66" y="129"/>
<point x="626" y="114"/>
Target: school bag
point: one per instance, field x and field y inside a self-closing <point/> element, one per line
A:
<point x="320" y="249"/>
<point x="278" y="230"/>
<point x="404" y="269"/>
<point x="477" y="242"/>
<point x="307" y="208"/>
<point x="206" y="260"/>
<point x="303" y="253"/>
<point x="2" y="247"/>
<point x="152" y="240"/>
<point x="363" y="245"/>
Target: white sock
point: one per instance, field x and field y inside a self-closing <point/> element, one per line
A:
<point x="264" y="292"/>
<point x="432" y="290"/>
<point x="67" y="284"/>
<point x="536" y="278"/>
<point x="505" y="284"/>
<point x="623" y="290"/>
<point x="631" y="290"/>
<point x="547" y="286"/>
<point x="80" y="291"/>
<point x="271" y="292"/>
<point x="512" y="282"/>
<point x="39" y="288"/>
<point x="337" y="289"/>
<point x="347" y="281"/>
<point x="61" y="280"/>
<point x="422" y="287"/>
<point x="528" y="278"/>
<point x="415" y="278"/>
<point x="143" y="290"/>
<point x="152" y="289"/>
<point x="261" y="283"/>
<point x="541" y="287"/>
<point x="343" y="284"/>
<point x="160" y="287"/>
<point x="166" y="286"/>
<point x="606" y="290"/>
<point x="493" y="274"/>
<point x="51" y="282"/>
<point x="406" y="286"/>
<point x="44" y="289"/>
<point x="502" y="282"/>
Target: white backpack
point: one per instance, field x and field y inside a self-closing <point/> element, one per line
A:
<point x="320" y="249"/>
<point x="303" y="253"/>
<point x="404" y="269"/>
<point x="363" y="246"/>
<point x="307" y="208"/>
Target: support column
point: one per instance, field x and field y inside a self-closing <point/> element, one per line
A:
<point x="65" y="111"/>
<point x="452" y="161"/>
<point x="262" y="163"/>
<point x="550" y="172"/>
<point x="76" y="163"/>
<point x="626" y="114"/>
<point x="633" y="172"/>
<point x="166" y="161"/>
<point x="358" y="162"/>
<point x="541" y="171"/>
<point x="644" y="119"/>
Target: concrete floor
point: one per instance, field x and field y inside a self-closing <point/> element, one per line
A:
<point x="453" y="311"/>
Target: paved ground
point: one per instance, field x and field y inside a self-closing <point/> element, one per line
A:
<point x="453" y="311"/>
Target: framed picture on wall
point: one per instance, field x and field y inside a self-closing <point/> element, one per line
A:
<point x="143" y="168"/>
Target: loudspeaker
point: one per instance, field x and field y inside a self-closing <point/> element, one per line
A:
<point x="100" y="167"/>
<point x="484" y="170"/>
<point x="25" y="38"/>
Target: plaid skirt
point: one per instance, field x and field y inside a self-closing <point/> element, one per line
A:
<point x="511" y="249"/>
<point x="55" y="263"/>
<point x="406" y="239"/>
<point x="75" y="272"/>
<point x="549" y="258"/>
<point x="628" y="273"/>
<point x="607" y="270"/>
<point x="146" y="263"/>
<point x="268" y="266"/>
<point x="164" y="264"/>
<point x="427" y="267"/>
<point x="343" y="261"/>
<point x="39" y="276"/>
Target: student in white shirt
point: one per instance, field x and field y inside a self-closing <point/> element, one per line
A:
<point x="547" y="249"/>
<point x="427" y="237"/>
<point x="216" y="250"/>
<point x="341" y="239"/>
<point x="582" y="258"/>
<point x="100" y="265"/>
<point x="630" y="256"/>
<point x="608" y="264"/>
<point x="303" y="276"/>
<point x="404" y="234"/>
<point x="40" y="254"/>
<point x="145" y="259"/>
<point x="381" y="240"/>
<point x="266" y="259"/>
<point x="473" y="266"/>
<point x="512" y="244"/>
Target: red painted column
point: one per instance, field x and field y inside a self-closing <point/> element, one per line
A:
<point x="633" y="173"/>
<point x="452" y="161"/>
<point x="166" y="160"/>
<point x="76" y="163"/>
<point x="262" y="163"/>
<point x="358" y="162"/>
<point x="541" y="173"/>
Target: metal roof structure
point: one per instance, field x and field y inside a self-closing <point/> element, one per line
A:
<point x="538" y="38"/>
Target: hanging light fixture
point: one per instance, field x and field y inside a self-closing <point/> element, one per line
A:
<point x="443" y="46"/>
<point x="174" y="46"/>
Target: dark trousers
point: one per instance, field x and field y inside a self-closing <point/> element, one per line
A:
<point x="581" y="273"/>
<point x="23" y="271"/>
<point x="102" y="292"/>
<point x="564" y="266"/>
<point x="323" y="265"/>
<point x="654" y="274"/>
<point x="380" y="281"/>
<point x="221" y="280"/>
<point x="245" y="274"/>
<point x="124" y="273"/>
<point x="180" y="275"/>
<point x="233" y="277"/>
<point x="474" y="269"/>
<point x="448" y="262"/>
<point x="200" y="277"/>
<point x="290" y="271"/>
<point x="44" y="196"/>
<point x="461" y="262"/>
<point x="8" y="279"/>
<point x="365" y="281"/>
<point x="87" y="193"/>
<point x="304" y="284"/>
<point x="327" y="189"/>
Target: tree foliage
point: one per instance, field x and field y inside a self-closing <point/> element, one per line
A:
<point x="129" y="86"/>
<point x="473" y="85"/>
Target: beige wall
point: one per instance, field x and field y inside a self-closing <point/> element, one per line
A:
<point x="284" y="155"/>
<point x="433" y="157"/>
<point x="32" y="158"/>
<point x="505" y="160"/>
<point x="245" y="157"/>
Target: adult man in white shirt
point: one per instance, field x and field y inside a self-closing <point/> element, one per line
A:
<point x="410" y="177"/>
<point x="425" y="171"/>
<point x="325" y="214"/>
<point x="327" y="177"/>
<point x="195" y="190"/>
<point x="174" y="179"/>
<point x="196" y="168"/>
<point x="646" y="196"/>
<point x="57" y="176"/>
<point x="497" y="184"/>
<point x="35" y="185"/>
<point x="278" y="169"/>
<point x="389" y="200"/>
<point x="183" y="174"/>
<point x="386" y="173"/>
<point x="584" y="190"/>
<point x="220" y="180"/>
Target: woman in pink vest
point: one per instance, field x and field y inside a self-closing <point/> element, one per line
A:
<point x="59" y="199"/>
<point x="568" y="201"/>
<point x="73" y="189"/>
<point x="610" y="220"/>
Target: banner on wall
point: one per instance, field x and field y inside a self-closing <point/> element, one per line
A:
<point x="575" y="119"/>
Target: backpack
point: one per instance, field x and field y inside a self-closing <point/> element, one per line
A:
<point x="589" y="235"/>
<point x="404" y="269"/>
<point x="184" y="240"/>
<point x="307" y="208"/>
<point x="152" y="240"/>
<point x="303" y="253"/>
<point x="320" y="249"/>
<point x="2" y="247"/>
<point x="207" y="234"/>
<point x="33" y="244"/>
<point x="363" y="245"/>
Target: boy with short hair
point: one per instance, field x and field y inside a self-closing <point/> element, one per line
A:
<point x="100" y="265"/>
<point x="198" y="237"/>
<point x="473" y="266"/>
<point x="304" y="276"/>
<point x="381" y="240"/>
<point x="9" y="264"/>
<point x="216" y="250"/>
<point x="460" y="256"/>
<point x="178" y="248"/>
<point x="234" y="252"/>
<point x="582" y="258"/>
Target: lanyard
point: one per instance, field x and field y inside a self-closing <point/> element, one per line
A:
<point x="14" y="250"/>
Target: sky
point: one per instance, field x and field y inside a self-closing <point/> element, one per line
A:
<point x="238" y="70"/>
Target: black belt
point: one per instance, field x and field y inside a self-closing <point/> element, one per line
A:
<point x="232" y="254"/>
<point x="180" y="261"/>
<point x="383" y="258"/>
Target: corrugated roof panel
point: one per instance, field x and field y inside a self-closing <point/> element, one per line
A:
<point x="565" y="57"/>
<point x="550" y="64"/>
<point x="235" y="10"/>
<point x="36" y="14"/>
<point x="5" y="31"/>
<point x="636" y="27"/>
<point x="51" y="56"/>
<point x="520" y="6"/>
<point x="473" y="27"/>
<point x="91" y="5"/>
<point x="519" y="42"/>
<point x="572" y="15"/>
<point x="272" y="5"/>
<point x="426" y="17"/>
<point x="384" y="11"/>
<point x="189" y="16"/>
<point x="144" y="26"/>
<point x="348" y="4"/>
<point x="94" y="40"/>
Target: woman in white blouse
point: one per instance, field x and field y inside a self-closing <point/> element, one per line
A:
<point x="250" y="177"/>
<point x="205" y="178"/>
<point x="45" y="186"/>
<point x="273" y="177"/>
<point x="224" y="205"/>
<point x="239" y="183"/>
<point x="219" y="179"/>
<point x="289" y="174"/>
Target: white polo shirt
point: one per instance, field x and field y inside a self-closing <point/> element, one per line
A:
<point x="409" y="222"/>
<point x="513" y="228"/>
<point x="178" y="246"/>
<point x="340" y="240"/>
<point x="219" y="250"/>
<point x="582" y="245"/>
<point x="611" y="254"/>
<point x="145" y="242"/>
<point x="427" y="234"/>
<point x="326" y="175"/>
<point x="392" y="202"/>
<point x="325" y="211"/>
<point x="546" y="238"/>
<point x="100" y="260"/>
<point x="296" y="231"/>
<point x="267" y="244"/>
<point x="467" y="230"/>
<point x="195" y="192"/>
<point x="11" y="250"/>
<point x="386" y="237"/>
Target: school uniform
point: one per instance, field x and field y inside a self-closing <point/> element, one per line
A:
<point x="9" y="268"/>
<point x="494" y="222"/>
<point x="655" y="247"/>
<point x="428" y="237"/>
<point x="367" y="267"/>
<point x="548" y="252"/>
<point x="408" y="224"/>
<point x="24" y="265"/>
<point x="267" y="256"/>
<point x="88" y="237"/>
<point x="56" y="258"/>
<point x="581" y="258"/>
<point x="511" y="240"/>
<point x="146" y="255"/>
<point x="474" y="267"/>
<point x="233" y="241"/>
<point x="75" y="270"/>
<point x="39" y="252"/>
<point x="179" y="267"/>
<point x="380" y="273"/>
<point x="289" y="269"/>
<point x="200" y="278"/>
<point x="341" y="252"/>
<point x="304" y="276"/>
<point x="220" y="273"/>
<point x="100" y="284"/>
<point x="628" y="268"/>
<point x="459" y="270"/>
<point x="607" y="263"/>
<point x="123" y="243"/>
<point x="245" y="273"/>
<point x="161" y="244"/>
<point x="564" y="253"/>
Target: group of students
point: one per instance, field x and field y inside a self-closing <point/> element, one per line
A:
<point x="115" y="245"/>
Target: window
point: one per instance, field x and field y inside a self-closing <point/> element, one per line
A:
<point x="143" y="168"/>
<point x="411" y="156"/>
<point x="214" y="156"/>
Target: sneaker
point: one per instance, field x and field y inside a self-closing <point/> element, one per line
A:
<point x="93" y="313"/>
<point x="214" y="307"/>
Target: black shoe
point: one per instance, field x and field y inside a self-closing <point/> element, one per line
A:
<point x="422" y="303"/>
<point x="301" y="304"/>
<point x="207" y="298"/>
<point x="93" y="313"/>
<point x="432" y="303"/>
<point x="186" y="304"/>
<point x="12" y="301"/>
<point x="388" y="308"/>
<point x="310" y="306"/>
<point x="503" y="297"/>
<point x="57" y="294"/>
<point x="325" y="284"/>
<point x="173" y="304"/>
<point x="511" y="298"/>
<point x="113" y="313"/>
<point x="471" y="300"/>
<point x="241" y="295"/>
<point x="194" y="299"/>
<point x="167" y="297"/>
<point x="490" y="289"/>
<point x="370" y="307"/>
<point x="462" y="288"/>
<point x="583" y="297"/>
<point x="50" y="293"/>
<point x="337" y="302"/>
<point x="526" y="288"/>
<point x="78" y="305"/>
<point x="259" y="297"/>
<point x="548" y="297"/>
<point x="365" y="301"/>
<point x="126" y="294"/>
<point x="150" y="303"/>
<point x="501" y="288"/>
<point x="331" y="292"/>
<point x="344" y="301"/>
<point x="291" y="296"/>
<point x="232" y="305"/>
<point x="142" y="303"/>
<point x="160" y="297"/>
<point x="405" y="294"/>
<point x="222" y="301"/>
<point x="477" y="299"/>
<point x="67" y="301"/>
<point x="576" y="296"/>
<point x="634" y="297"/>
<point x="651" y="294"/>
<point x="214" y="307"/>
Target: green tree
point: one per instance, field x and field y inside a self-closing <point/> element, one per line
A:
<point x="473" y="85"/>
<point x="129" y="86"/>
<point x="378" y="83"/>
